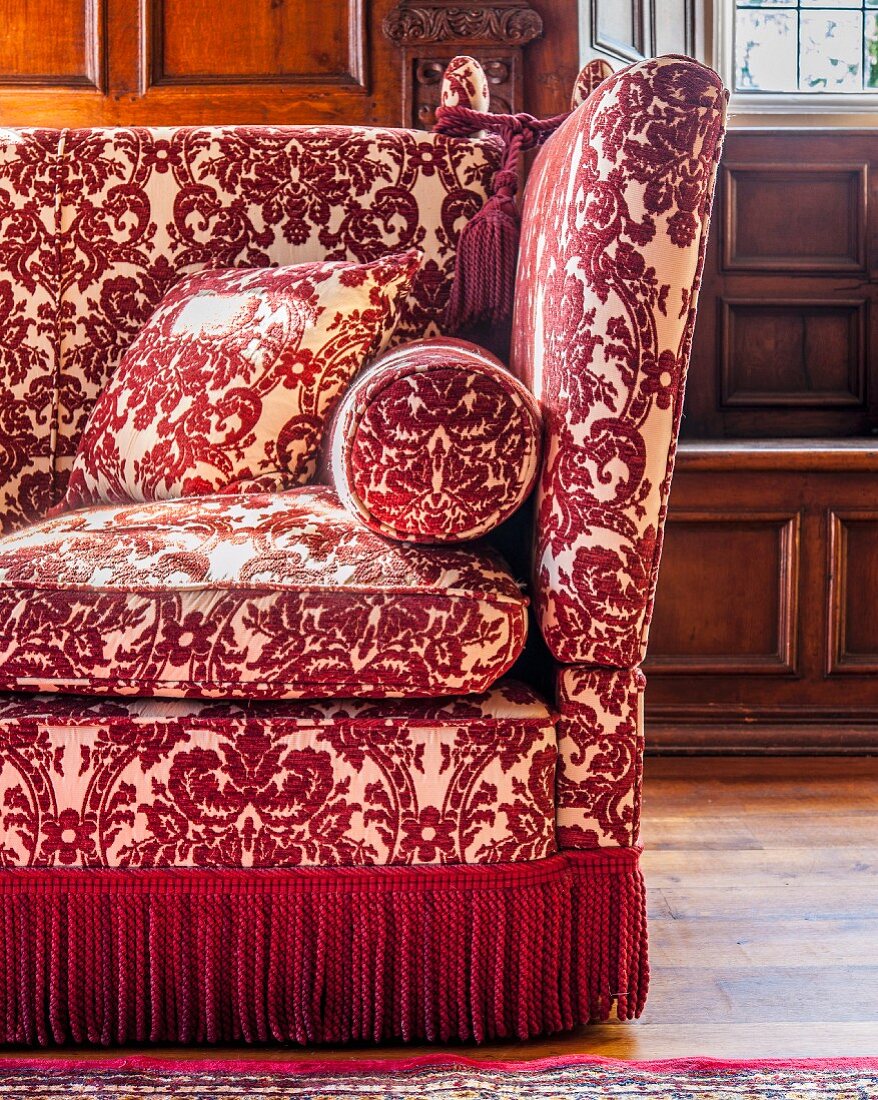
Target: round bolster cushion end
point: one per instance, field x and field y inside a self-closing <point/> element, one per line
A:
<point x="434" y="442"/>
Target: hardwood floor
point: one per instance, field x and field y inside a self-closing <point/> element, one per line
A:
<point x="763" y="876"/>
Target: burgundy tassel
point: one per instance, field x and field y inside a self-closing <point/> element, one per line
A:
<point x="487" y="250"/>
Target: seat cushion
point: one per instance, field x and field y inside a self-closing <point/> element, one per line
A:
<point x="257" y="596"/>
<point x="155" y="783"/>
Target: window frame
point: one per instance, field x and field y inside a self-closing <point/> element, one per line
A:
<point x="756" y="102"/>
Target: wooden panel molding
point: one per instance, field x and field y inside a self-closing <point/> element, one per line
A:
<point x="186" y="43"/>
<point x="852" y="643"/>
<point x="55" y="44"/>
<point x="793" y="352"/>
<point x="829" y="700"/>
<point x="794" y="217"/>
<point x="729" y="594"/>
<point x="620" y="28"/>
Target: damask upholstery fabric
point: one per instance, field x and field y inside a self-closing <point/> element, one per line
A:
<point x="256" y="596"/>
<point x="591" y="74"/>
<point x="141" y="207"/>
<point x="176" y="783"/>
<point x="436" y="442"/>
<point x="98" y="224"/>
<point x="613" y="237"/>
<point x="29" y="290"/>
<point x="234" y="376"/>
<point x="600" y="757"/>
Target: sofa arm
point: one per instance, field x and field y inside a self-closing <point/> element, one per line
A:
<point x="600" y="756"/>
<point x="435" y="442"/>
<point x="614" y="229"/>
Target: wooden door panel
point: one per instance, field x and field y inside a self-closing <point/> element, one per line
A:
<point x="257" y="41"/>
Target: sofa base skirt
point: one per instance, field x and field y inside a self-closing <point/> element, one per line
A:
<point x="321" y="956"/>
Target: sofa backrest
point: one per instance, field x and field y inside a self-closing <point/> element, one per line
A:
<point x="614" y="229"/>
<point x="96" y="224"/>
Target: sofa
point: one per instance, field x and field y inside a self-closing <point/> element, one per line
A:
<point x="396" y="794"/>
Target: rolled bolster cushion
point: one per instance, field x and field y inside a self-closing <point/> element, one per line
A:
<point x="435" y="442"/>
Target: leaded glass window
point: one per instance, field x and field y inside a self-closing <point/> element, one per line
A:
<point x="813" y="46"/>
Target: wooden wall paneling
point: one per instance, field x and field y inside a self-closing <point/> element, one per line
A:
<point x="826" y="699"/>
<point x="142" y="62"/>
<point x="53" y="54"/>
<point x="743" y="568"/>
<point x="787" y="312"/>
<point x="60" y="43"/>
<point x="852" y="644"/>
<point x="167" y="62"/>
<point x="190" y="45"/>
<point x="794" y="217"/>
<point x="792" y="352"/>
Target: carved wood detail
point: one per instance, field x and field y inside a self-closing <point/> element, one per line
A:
<point x="508" y="21"/>
<point x="428" y="35"/>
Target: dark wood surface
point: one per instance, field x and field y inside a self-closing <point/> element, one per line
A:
<point x="763" y="880"/>
<point x="765" y="634"/>
<point x="787" y="314"/>
<point x="163" y="62"/>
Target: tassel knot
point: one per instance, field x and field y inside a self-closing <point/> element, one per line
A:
<point x="487" y="250"/>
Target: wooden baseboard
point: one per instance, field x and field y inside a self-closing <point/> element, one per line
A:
<point x="832" y="734"/>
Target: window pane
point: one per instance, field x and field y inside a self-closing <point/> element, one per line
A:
<point x="872" y="50"/>
<point x="765" y="49"/>
<point x="854" y="4"/>
<point x="831" y="47"/>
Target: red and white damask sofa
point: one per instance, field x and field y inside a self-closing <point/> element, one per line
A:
<point x="263" y="774"/>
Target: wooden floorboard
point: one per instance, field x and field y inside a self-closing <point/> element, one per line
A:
<point x="763" y="879"/>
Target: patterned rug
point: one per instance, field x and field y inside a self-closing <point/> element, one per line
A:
<point x="436" y="1077"/>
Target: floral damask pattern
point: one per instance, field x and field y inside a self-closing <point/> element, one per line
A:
<point x="140" y="207"/>
<point x="436" y="442"/>
<point x="170" y="783"/>
<point x="600" y="756"/>
<point x="233" y="377"/>
<point x="29" y="291"/>
<point x="613" y="237"/>
<point x="98" y="224"/>
<point x="591" y="74"/>
<point x="257" y="596"/>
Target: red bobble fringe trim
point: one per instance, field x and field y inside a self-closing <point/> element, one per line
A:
<point x="487" y="251"/>
<point x="321" y="956"/>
